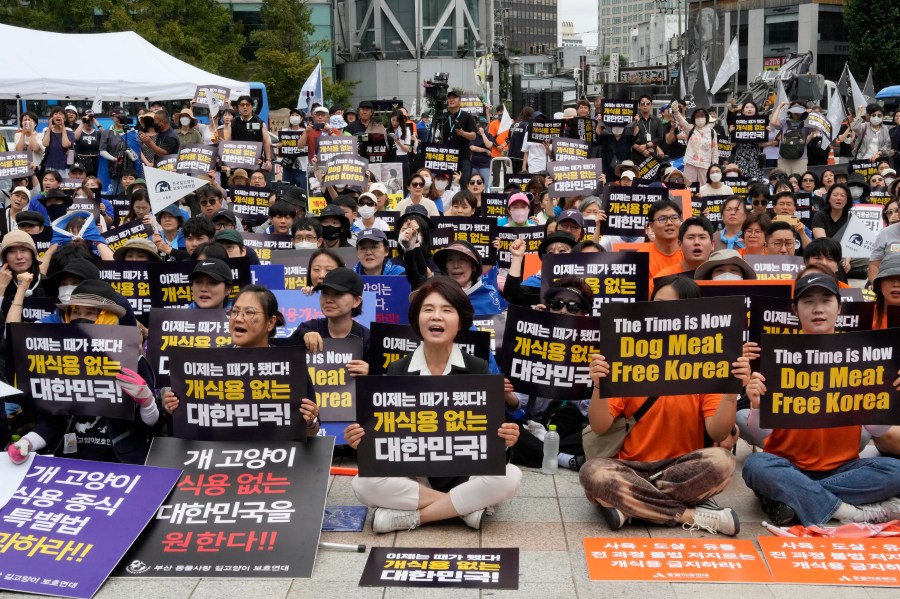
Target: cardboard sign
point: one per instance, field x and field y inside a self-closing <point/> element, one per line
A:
<point x="443" y="568"/>
<point x="289" y="140"/>
<point x="750" y="129"/>
<point x="493" y="205"/>
<point x="235" y="393"/>
<point x="119" y="236"/>
<point x="250" y="203"/>
<point x="549" y="355"/>
<point x="820" y="123"/>
<point x="130" y="280"/>
<point x="14" y="165"/>
<point x="329" y="146"/>
<point x="335" y="388"/>
<point x="544" y="131"/>
<point x="170" y="286"/>
<point x="612" y="276"/>
<point x="533" y="237"/>
<point x="248" y="510"/>
<point x="627" y="208"/>
<point x="193" y="329"/>
<point x="298" y="308"/>
<point x="775" y="267"/>
<point x="564" y="149"/>
<point x="431" y="425"/>
<point x="675" y="560"/>
<point x="819" y="560"/>
<point x="240" y="154"/>
<point x="710" y="207"/>
<point x="346" y="170"/>
<point x="618" y="113"/>
<point x="196" y="159"/>
<point x="672" y="348"/>
<point x="441" y="158"/>
<point x="479" y="231"/>
<point x="824" y="381"/>
<point x="575" y="177"/>
<point x="391" y="297"/>
<point x="70" y="369"/>
<point x="266" y="243"/>
<point x="390" y="342"/>
<point x="69" y="523"/>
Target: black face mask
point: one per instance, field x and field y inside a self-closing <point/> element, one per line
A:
<point x="81" y="321"/>
<point x="54" y="211"/>
<point x="330" y="232"/>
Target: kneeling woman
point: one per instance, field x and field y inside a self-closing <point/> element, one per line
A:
<point x="439" y="311"/>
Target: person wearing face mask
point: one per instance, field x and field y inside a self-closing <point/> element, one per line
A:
<point x="306" y="233"/>
<point x="725" y="265"/>
<point x="295" y="174"/>
<point x="187" y="131"/>
<point x="715" y="186"/>
<point x="335" y="227"/>
<point x="443" y="191"/>
<point x="27" y="138"/>
<point x="614" y="146"/>
<point x="889" y="175"/>
<point x="519" y="209"/>
<point x="702" y="147"/>
<point x="873" y="140"/>
<point x="859" y="189"/>
<point x="367" y="206"/>
<point x="794" y="137"/>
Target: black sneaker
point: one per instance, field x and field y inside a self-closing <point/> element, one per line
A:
<point x="615" y="519"/>
<point x="780" y="514"/>
<point x="576" y="462"/>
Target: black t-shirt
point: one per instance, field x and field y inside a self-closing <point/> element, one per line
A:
<point x="462" y="121"/>
<point x="88" y="143"/>
<point x="168" y="141"/>
<point x="250" y="130"/>
<point x="516" y="138"/>
<point x="822" y="220"/>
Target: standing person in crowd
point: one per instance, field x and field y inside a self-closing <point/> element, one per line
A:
<point x="734" y="213"/>
<point x="702" y="148"/>
<point x="614" y="147"/>
<point x="249" y="127"/>
<point x="87" y="143"/>
<point x="187" y="130"/>
<point x="438" y="313"/>
<point x="873" y="140"/>
<point x="164" y="140"/>
<point x="459" y="132"/>
<point x="57" y="141"/>
<point x="747" y="154"/>
<point x="295" y="174"/>
<point x="715" y="186"/>
<point x="534" y="153"/>
<point x="665" y="483"/>
<point x="481" y="148"/>
<point x="649" y="132"/>
<point x="794" y="137"/>
<point x="517" y="134"/>
<point x="401" y="136"/>
<point x="27" y="139"/>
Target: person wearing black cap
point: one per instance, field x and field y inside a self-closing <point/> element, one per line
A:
<point x="373" y="251"/>
<point x="458" y="131"/>
<point x="335" y="227"/>
<point x="56" y="202"/>
<point x="31" y="222"/>
<point x="365" y="123"/>
<point x="249" y="127"/>
<point x="462" y="263"/>
<point x="211" y="282"/>
<point x="340" y="297"/>
<point x="815" y="474"/>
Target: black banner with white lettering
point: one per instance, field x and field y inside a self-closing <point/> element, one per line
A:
<point x="612" y="276"/>
<point x="544" y="131"/>
<point x="266" y="243"/>
<point x="195" y="329"/>
<point x="750" y="129"/>
<point x="14" y="165"/>
<point x="494" y="204"/>
<point x="710" y="207"/>
<point x="130" y="280"/>
<point x="250" y="203"/>
<point x="866" y="168"/>
<point x="290" y="143"/>
<point x="775" y="267"/>
<point x="617" y="113"/>
<point x="196" y="159"/>
<point x="441" y="159"/>
<point x="442" y="568"/>
<point x="533" y="236"/>
<point x="329" y="146"/>
<point x="627" y="207"/>
<point x="240" y="154"/>
<point x="390" y="342"/>
<point x="335" y="388"/>
<point x="575" y="177"/>
<point x="477" y="230"/>
<point x="171" y="288"/>
<point x="563" y="149"/>
<point x="116" y="238"/>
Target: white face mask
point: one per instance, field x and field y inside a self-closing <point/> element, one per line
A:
<point x="727" y="276"/>
<point x="305" y="245"/>
<point x="888" y="181"/>
<point x="519" y="215"/>
<point x="856" y="192"/>
<point x="700" y="122"/>
<point x="618" y="130"/>
<point x="65" y="293"/>
<point x="295" y="120"/>
<point x="441" y="184"/>
<point x="427" y="182"/>
<point x="185" y="121"/>
<point x="715" y="177"/>
<point x="875" y="120"/>
<point x="366" y="212"/>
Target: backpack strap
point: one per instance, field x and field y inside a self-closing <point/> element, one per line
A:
<point x="645" y="407"/>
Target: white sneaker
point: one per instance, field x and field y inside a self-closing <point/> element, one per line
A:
<point x="387" y="520"/>
<point x="883" y="511"/>
<point x="473" y="520"/>
<point x="710" y="517"/>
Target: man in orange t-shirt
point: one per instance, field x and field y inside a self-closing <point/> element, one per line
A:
<point x="695" y="240"/>
<point x="664" y="219"/>
<point x="499" y="138"/>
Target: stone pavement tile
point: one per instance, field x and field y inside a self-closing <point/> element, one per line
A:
<point x="241" y="588"/>
<point x="343" y="566"/>
<point x="418" y="593"/>
<point x="146" y="588"/>
<point x="588" y="589"/>
<point x="340" y="487"/>
<point x="748" y="507"/>
<point x="690" y="590"/>
<point x="544" y="567"/>
<point x="452" y="533"/>
<point x="303" y="589"/>
<point x="528" y="509"/>
<point x="576" y="532"/>
<point x="536" y="484"/>
<point x="547" y="536"/>
<point x="737" y="487"/>
<point x="881" y="593"/>
<point x="578" y="509"/>
<point x="567" y="485"/>
<point x="367" y="537"/>
<point x="535" y="590"/>
<point x="802" y="591"/>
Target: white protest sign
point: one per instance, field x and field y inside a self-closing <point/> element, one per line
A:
<point x="165" y="187"/>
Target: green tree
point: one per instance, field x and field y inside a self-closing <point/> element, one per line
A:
<point x="61" y="16"/>
<point x="873" y="42"/>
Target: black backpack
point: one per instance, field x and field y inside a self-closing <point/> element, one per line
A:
<point x="792" y="143"/>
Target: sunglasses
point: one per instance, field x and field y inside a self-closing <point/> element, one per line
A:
<point x="760" y="203"/>
<point x="476" y="182"/>
<point x="645" y="103"/>
<point x="417" y="184"/>
<point x="571" y="306"/>
<point x="208" y="202"/>
<point x="368" y="203"/>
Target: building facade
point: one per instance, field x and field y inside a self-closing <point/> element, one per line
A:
<point x="530" y="26"/>
<point x="617" y="18"/>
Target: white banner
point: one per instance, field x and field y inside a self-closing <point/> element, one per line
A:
<point x="166" y="187"/>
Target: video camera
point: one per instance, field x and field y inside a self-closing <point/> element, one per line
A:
<point x="436" y="95"/>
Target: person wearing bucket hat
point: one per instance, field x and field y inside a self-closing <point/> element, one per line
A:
<point x="335" y="227"/>
<point x="20" y="266"/>
<point x="337" y="124"/>
<point x="211" y="282"/>
<point x="373" y="251"/>
<point x="187" y="130"/>
<point x="137" y="249"/>
<point x="725" y="265"/>
<point x="886" y="286"/>
<point x="625" y="165"/>
<point x="55" y="202"/>
<point x="792" y="156"/>
<point x="171" y="220"/>
<point x="239" y="177"/>
<point x="462" y="263"/>
<point x="815" y="474"/>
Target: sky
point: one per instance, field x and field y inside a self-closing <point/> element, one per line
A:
<point x="584" y="14"/>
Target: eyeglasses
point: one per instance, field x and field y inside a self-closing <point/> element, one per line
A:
<point x="476" y="182"/>
<point x="245" y="104"/>
<point x="674" y="218"/>
<point x="892" y="211"/>
<point x="571" y="306"/>
<point x="417" y="184"/>
<point x="781" y="244"/>
<point x="207" y="202"/>
<point x="220" y="225"/>
<point x="247" y="313"/>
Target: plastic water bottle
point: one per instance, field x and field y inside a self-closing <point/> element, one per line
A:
<point x="551" y="451"/>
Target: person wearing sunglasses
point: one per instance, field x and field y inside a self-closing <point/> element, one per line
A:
<point x="758" y="195"/>
<point x="417" y="197"/>
<point x="476" y="186"/>
<point x="249" y="127"/>
<point x="649" y="132"/>
<point x="367" y="206"/>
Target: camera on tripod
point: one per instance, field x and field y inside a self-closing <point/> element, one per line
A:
<point x="436" y="95"/>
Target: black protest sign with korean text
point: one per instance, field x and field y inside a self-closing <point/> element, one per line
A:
<point x="618" y="113"/>
<point x="121" y="207"/>
<point x="442" y="568"/>
<point x="774" y="288"/>
<point x="725" y="149"/>
<point x="824" y="381"/>
<point x="167" y="163"/>
<point x="250" y="203"/>
<point x="533" y="236"/>
<point x="240" y="509"/>
<point x="130" y="280"/>
<point x="289" y="141"/>
<point x="710" y="207"/>
<point x="520" y="179"/>
<point x="203" y="92"/>
<point x="296" y="263"/>
<point x="775" y="267"/>
<point x="374" y="147"/>
<point x="431" y="425"/>
<point x="266" y="243"/>
<point x="70" y="369"/>
<point x="194" y="329"/>
<point x="750" y="129"/>
<point x="575" y="177"/>
<point x="346" y="170"/>
<point x="43" y="241"/>
<point x="775" y="316"/>
<point x="494" y="204"/>
<point x="672" y="348"/>
<point x="196" y="159"/>
<point x="33" y="308"/>
<point x="247" y="394"/>
<point x="563" y="149"/>
<point x="612" y="276"/>
<point x="14" y="165"/>
<point x="329" y="146"/>
<point x="648" y="169"/>
<point x="335" y="388"/>
<point x="240" y="154"/>
<point x="544" y="131"/>
<point x="477" y="230"/>
<point x="116" y="238"/>
<point x="549" y="355"/>
<point x="866" y="168"/>
<point x="820" y="123"/>
<point x="441" y="158"/>
<point x="170" y="285"/>
<point x="390" y="342"/>
<point x="627" y="208"/>
<point x="581" y="128"/>
<point x="804" y="210"/>
<point x="472" y="105"/>
<point x="879" y="198"/>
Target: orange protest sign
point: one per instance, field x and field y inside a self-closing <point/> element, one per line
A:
<point x="532" y="266"/>
<point x="684" y="197"/>
<point x="855" y="562"/>
<point x="675" y="560"/>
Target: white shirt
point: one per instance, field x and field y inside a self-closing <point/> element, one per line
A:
<point x="417" y="362"/>
<point x="537" y="155"/>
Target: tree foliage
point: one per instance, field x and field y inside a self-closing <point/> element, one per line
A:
<point x="873" y="41"/>
<point x="61" y="16"/>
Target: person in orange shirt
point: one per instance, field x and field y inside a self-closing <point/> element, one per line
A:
<point x="816" y="474"/>
<point x="695" y="241"/>
<point x="500" y="139"/>
<point x="753" y="232"/>
<point x="663" y="473"/>
<point x="664" y="218"/>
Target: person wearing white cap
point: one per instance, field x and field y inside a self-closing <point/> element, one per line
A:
<point x="367" y="206"/>
<point x="794" y="137"/>
<point x="18" y="201"/>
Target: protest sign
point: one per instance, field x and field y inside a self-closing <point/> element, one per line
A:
<point x="549" y="355"/>
<point x="130" y="280"/>
<point x="196" y="159"/>
<point x="520" y="179"/>
<point x="775" y="267"/>
<point x="240" y="154"/>
<point x="239" y="394"/>
<point x="870" y="214"/>
<point x="70" y="369"/>
<point x="533" y="236"/>
<point x="14" y="165"/>
<point x="194" y="329"/>
<point x="289" y="141"/>
<point x="612" y="276"/>
<point x="391" y="174"/>
<point x="617" y="113"/>
<point x="820" y="123"/>
<point x="563" y="149"/>
<point x="250" y="203"/>
<point x="544" y="131"/>
<point x="204" y="92"/>
<point x="167" y="187"/>
<point x="167" y="163"/>
<point x="672" y="348"/>
<point x="390" y="342"/>
<point x="240" y="509"/>
<point x="296" y="263"/>
<point x="33" y="308"/>
<point x="170" y="286"/>
<point x="43" y="241"/>
<point x="391" y="297"/>
<point x="750" y="129"/>
<point x="575" y="177"/>
<point x="773" y="288"/>
<point x="298" y="308"/>
<point x="675" y="560"/>
<point x="373" y="147"/>
<point x="582" y="128"/>
<point x="443" y="568"/>
<point x="69" y="184"/>
<point x="346" y="170"/>
<point x="627" y="207"/>
<point x="866" y="168"/>
<point x="893" y="317"/>
<point x="739" y="185"/>
<point x="725" y="149"/>
<point x="648" y="169"/>
<point x="119" y="236"/>
<point x="121" y="207"/>
<point x="824" y="381"/>
<point x="494" y="204"/>
<point x="858" y="239"/>
<point x="441" y="159"/>
<point x="494" y="326"/>
<point x="472" y="105"/>
<point x="479" y="231"/>
<point x="266" y="243"/>
<point x="710" y="207"/>
<point x="805" y="207"/>
<point x="840" y="561"/>
<point x="776" y="315"/>
<point x="69" y="522"/>
<point x="335" y="388"/>
<point x="329" y="146"/>
<point x="879" y="198"/>
<point x="431" y="425"/>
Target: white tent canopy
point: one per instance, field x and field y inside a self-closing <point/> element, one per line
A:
<point x="125" y="67"/>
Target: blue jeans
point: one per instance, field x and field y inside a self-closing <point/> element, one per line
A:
<point x="815" y="496"/>
<point x="295" y="177"/>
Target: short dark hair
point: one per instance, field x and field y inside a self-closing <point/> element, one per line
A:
<point x="873" y="108"/>
<point x="685" y="288"/>
<point x="785" y="194"/>
<point x="642" y="96"/>
<point x="823" y="246"/>
<point x="57" y="109"/>
<point x="53" y="175"/>
<point x="465" y="196"/>
<point x="695" y="221"/>
<point x="778" y="225"/>
<point x="282" y="208"/>
<point x="346" y="201"/>
<point x="268" y="301"/>
<point x="323" y="252"/>
<point x="244" y="97"/>
<point x="210" y="249"/>
<point x="758" y="189"/>
<point x="756" y="218"/>
<point x="450" y="291"/>
<point x="307" y="224"/>
<point x="847" y="206"/>
<point x="581" y="102"/>
<point x="198" y="226"/>
<point x="738" y="199"/>
<point x="208" y="190"/>
<point x="659" y="206"/>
